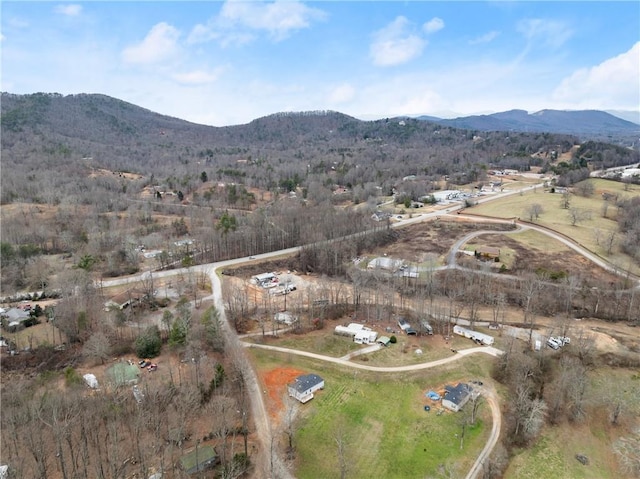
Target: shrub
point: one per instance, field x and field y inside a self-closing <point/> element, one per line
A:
<point x="72" y="377"/>
<point x="393" y="340"/>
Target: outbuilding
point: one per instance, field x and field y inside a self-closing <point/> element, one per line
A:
<point x="303" y="387"/>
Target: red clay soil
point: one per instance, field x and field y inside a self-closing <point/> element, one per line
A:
<point x="275" y="382"/>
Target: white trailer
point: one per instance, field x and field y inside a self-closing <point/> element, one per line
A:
<point x="474" y="335"/>
<point x="365" y="337"/>
<point x="345" y="331"/>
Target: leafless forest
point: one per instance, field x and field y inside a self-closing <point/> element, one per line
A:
<point x="90" y="183"/>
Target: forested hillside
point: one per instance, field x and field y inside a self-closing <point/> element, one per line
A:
<point x="94" y="177"/>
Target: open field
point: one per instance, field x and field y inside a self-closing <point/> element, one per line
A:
<point x="381" y="419"/>
<point x="557" y="218"/>
<point x="553" y="455"/>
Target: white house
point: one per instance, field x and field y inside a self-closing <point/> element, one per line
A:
<point x="303" y="387"/>
<point x="456" y="396"/>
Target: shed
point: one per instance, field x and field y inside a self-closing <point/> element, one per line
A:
<point x="455" y="397"/>
<point x="303" y="387"/>
<point x="200" y="459"/>
<point x="384" y="340"/>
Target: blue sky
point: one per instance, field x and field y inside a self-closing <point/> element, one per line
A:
<point x="222" y="63"/>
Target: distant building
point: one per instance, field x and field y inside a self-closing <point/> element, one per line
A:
<point x="489" y="252"/>
<point x="382" y="262"/>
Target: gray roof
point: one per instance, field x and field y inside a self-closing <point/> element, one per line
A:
<point x="16" y="314"/>
<point x="305" y="382"/>
<point x="456" y="394"/>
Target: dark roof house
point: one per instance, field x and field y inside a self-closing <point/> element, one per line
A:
<point x="303" y="387"/>
<point x="456" y="396"/>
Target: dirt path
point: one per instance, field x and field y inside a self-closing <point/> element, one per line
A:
<point x="489" y="394"/>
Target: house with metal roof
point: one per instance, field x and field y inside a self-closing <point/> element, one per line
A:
<point x="303" y="387"/>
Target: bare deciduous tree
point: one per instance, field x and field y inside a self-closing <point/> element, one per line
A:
<point x="97" y="347"/>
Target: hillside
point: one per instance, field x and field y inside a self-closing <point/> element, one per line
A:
<point x="586" y="124"/>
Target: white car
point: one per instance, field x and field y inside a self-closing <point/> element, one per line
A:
<point x="552" y="343"/>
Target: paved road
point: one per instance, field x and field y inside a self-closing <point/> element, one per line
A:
<point x="267" y="461"/>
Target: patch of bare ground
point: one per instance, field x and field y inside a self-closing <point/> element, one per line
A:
<point x="567" y="263"/>
<point x="436" y="237"/>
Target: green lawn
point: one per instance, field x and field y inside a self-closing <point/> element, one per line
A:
<point x="553" y="455"/>
<point x="381" y="419"/>
<point x="327" y="343"/>
<point x="558" y="219"/>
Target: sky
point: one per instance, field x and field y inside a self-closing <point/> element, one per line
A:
<point x="229" y="62"/>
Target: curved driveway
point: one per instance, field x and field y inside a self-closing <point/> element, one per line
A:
<point x="489" y="394"/>
<point x="266" y="460"/>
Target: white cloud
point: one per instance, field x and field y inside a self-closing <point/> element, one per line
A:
<point x="159" y="44"/>
<point x="71" y="10"/>
<point x="198" y="77"/>
<point x="395" y="44"/>
<point x="278" y="19"/>
<point x="611" y="84"/>
<point x="433" y="25"/>
<point x="341" y="94"/>
<point x="550" y="33"/>
<point x="486" y="38"/>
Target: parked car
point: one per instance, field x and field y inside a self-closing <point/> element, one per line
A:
<point x="144" y="364"/>
<point x="552" y="343"/>
<point x="152" y="367"/>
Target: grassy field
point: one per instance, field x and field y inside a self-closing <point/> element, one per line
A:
<point x="553" y="455"/>
<point x="557" y="218"/>
<point x="381" y="419"/>
<point x="326" y="343"/>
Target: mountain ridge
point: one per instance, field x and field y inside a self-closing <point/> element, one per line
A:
<point x="587" y="124"/>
